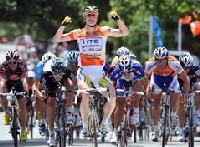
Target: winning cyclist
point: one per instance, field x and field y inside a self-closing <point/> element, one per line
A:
<point x="13" y="73"/>
<point x="127" y="73"/>
<point x="162" y="71"/>
<point x="92" y="46"/>
<point x="54" y="76"/>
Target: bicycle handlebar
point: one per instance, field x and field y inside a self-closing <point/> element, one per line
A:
<point x="137" y="92"/>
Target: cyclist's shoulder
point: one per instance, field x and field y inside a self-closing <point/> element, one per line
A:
<point x="39" y="64"/>
<point x="171" y="59"/>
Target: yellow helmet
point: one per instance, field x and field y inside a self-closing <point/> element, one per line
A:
<point x="90" y="9"/>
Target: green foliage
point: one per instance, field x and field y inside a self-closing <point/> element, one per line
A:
<point x="41" y="19"/>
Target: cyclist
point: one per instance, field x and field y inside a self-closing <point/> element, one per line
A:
<point x="127" y="74"/>
<point x="72" y="65"/>
<point x="120" y="51"/>
<point x="162" y="71"/>
<point x="30" y="80"/>
<point x="193" y="72"/>
<point x="91" y="42"/>
<point x="13" y="73"/>
<point x="58" y="74"/>
<point x="41" y="104"/>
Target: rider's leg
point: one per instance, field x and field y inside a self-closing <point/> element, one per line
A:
<point x="181" y="119"/>
<point x="110" y="105"/>
<point x="137" y="87"/>
<point x="4" y="102"/>
<point x="69" y="99"/>
<point x="197" y="103"/>
<point x="51" y="108"/>
<point x="84" y="105"/>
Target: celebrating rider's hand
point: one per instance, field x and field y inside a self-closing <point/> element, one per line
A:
<point x="114" y="15"/>
<point x="67" y="20"/>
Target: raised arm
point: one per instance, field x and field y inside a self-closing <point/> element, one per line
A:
<point x="59" y="36"/>
<point x="122" y="28"/>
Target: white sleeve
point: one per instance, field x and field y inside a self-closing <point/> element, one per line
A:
<point x="150" y="66"/>
<point x="47" y="66"/>
<point x="176" y="66"/>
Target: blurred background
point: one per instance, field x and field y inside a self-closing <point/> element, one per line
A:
<point x="29" y="26"/>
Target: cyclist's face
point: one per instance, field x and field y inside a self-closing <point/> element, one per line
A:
<point x="91" y="18"/>
<point x="12" y="65"/>
<point x="161" y="62"/>
<point x="57" y="76"/>
<point x="73" y="66"/>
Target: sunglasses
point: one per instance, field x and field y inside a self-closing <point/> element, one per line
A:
<point x="57" y="73"/>
<point x="12" y="62"/>
<point x="160" y="60"/>
<point x="74" y="63"/>
<point x="91" y="15"/>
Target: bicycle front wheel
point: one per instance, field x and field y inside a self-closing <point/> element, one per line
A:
<point x="191" y="128"/>
<point x="165" y="126"/>
<point x="123" y="136"/>
<point x="94" y="125"/>
<point x="14" y="127"/>
<point x="61" y="132"/>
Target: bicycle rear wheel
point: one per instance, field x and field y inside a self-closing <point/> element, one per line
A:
<point x="191" y="128"/>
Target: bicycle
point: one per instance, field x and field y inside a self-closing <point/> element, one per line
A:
<point x="61" y="132"/>
<point x="31" y="101"/>
<point x="93" y="120"/>
<point x="124" y="125"/>
<point x="165" y="123"/>
<point x="15" y="121"/>
<point x="189" y="113"/>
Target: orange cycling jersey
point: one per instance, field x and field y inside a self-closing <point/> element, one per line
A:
<point x="172" y="68"/>
<point x="79" y="33"/>
<point x="91" y="47"/>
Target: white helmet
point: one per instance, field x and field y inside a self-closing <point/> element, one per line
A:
<point x="124" y="63"/>
<point x="186" y="60"/>
<point x="47" y="56"/>
<point x="122" y="51"/>
<point x="160" y="52"/>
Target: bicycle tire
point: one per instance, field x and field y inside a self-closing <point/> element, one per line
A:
<point x="70" y="135"/>
<point x="62" y="136"/>
<point x="94" y="125"/>
<point x="191" y="128"/>
<point x="123" y="136"/>
<point x="166" y="118"/>
<point x="31" y="124"/>
<point x="14" y="127"/>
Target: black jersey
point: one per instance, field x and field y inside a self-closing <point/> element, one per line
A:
<point x="193" y="74"/>
<point x="51" y="85"/>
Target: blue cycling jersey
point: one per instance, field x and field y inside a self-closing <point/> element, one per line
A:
<point x="136" y="71"/>
<point x="39" y="70"/>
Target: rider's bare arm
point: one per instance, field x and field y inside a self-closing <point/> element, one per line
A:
<point x="60" y="37"/>
<point x="121" y="31"/>
<point x="186" y="82"/>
